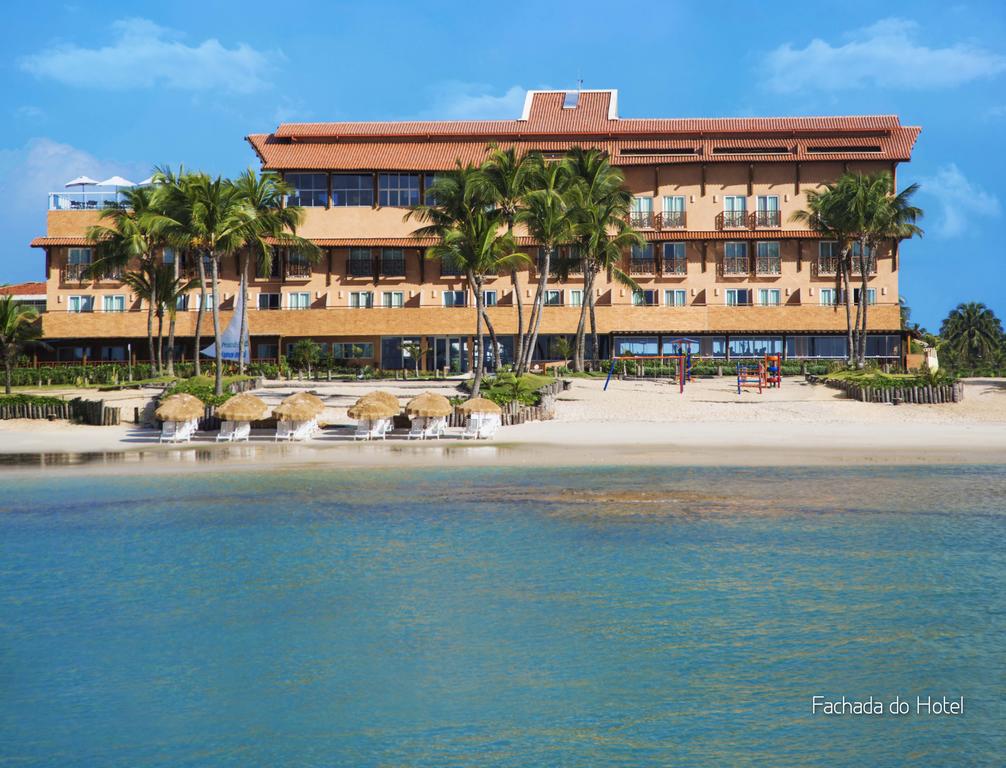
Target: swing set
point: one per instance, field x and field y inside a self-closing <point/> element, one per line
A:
<point x="681" y="360"/>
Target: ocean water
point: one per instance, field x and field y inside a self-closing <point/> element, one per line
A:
<point x="512" y="617"/>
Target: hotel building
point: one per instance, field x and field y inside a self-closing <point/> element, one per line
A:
<point x="723" y="263"/>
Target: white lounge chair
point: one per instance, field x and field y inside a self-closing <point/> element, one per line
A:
<point x="303" y="430"/>
<point x="435" y="428"/>
<point x="371" y="429"/>
<point x="234" y="431"/>
<point x="170" y="431"/>
<point x="488" y="427"/>
<point x="284" y="429"/>
<point x="472" y="427"/>
<point x="418" y="428"/>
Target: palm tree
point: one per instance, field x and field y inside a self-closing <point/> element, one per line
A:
<point x="972" y="334"/>
<point x="272" y="225"/>
<point x="599" y="209"/>
<point x="209" y="217"/>
<point x="880" y="215"/>
<point x="828" y="214"/>
<point x="127" y="239"/>
<point x="144" y="283"/>
<point x="462" y="217"/>
<point x="504" y="178"/>
<point x="171" y="289"/>
<point x="546" y="217"/>
<point x="18" y="327"/>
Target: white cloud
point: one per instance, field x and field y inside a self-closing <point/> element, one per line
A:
<point x="886" y="55"/>
<point x="456" y="100"/>
<point x="144" y="55"/>
<point x="960" y="201"/>
<point x="29" y="112"/>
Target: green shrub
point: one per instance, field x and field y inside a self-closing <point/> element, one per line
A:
<point x="29" y="400"/>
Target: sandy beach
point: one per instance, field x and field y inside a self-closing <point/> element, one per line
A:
<point x="633" y="422"/>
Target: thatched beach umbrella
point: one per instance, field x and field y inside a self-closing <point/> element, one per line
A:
<point x="429" y="405"/>
<point x="295" y="410"/>
<point x="243" y="407"/>
<point x="381" y="396"/>
<point x="180" y="407"/>
<point x="479" y="405"/>
<point x="368" y="410"/>
<point x="306" y="397"/>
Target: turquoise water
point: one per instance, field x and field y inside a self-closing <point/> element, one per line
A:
<point x="610" y="616"/>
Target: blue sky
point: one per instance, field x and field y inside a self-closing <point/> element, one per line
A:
<point x="103" y="88"/>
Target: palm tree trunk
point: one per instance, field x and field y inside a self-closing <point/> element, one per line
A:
<point x="844" y="277"/>
<point x="150" y="335"/>
<point x="160" y="341"/>
<point x="480" y="363"/>
<point x="242" y="288"/>
<point x="518" y="353"/>
<point x="581" y="326"/>
<point x="218" y="375"/>
<point x="8" y="364"/>
<point x="492" y="337"/>
<point x="534" y="322"/>
<point x="593" y="326"/>
<point x="199" y="312"/>
<point x="171" y="342"/>
<point x="864" y="304"/>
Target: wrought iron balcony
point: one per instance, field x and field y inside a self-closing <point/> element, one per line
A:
<point x="732" y="220"/>
<point x="871" y="266"/>
<point x="360" y="268"/>
<point x="74" y="273"/>
<point x="672" y="220"/>
<point x="736" y="265"/>
<point x="297" y="271"/>
<point x="768" y="265"/>
<point x="642" y="266"/>
<point x="827" y="265"/>
<point x="676" y="266"/>
<point x="768" y="219"/>
<point x="393" y="266"/>
<point x="641" y="219"/>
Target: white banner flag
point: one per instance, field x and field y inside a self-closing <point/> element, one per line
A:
<point x="229" y="338"/>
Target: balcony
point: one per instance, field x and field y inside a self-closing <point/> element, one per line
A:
<point x="732" y="220"/>
<point x="641" y="219"/>
<point x="360" y="268"/>
<point x="642" y="266"/>
<point x="827" y="266"/>
<point x="393" y="266"/>
<point x="676" y="267"/>
<point x="84" y="201"/>
<point x="871" y="266"/>
<point x="673" y="220"/>
<point x="297" y="271"/>
<point x="74" y="273"/>
<point x="768" y="266"/>
<point x="768" y="219"/>
<point x="736" y="266"/>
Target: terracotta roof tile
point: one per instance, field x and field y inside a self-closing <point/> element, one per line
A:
<point x="46" y="242"/>
<point x="23" y="289"/>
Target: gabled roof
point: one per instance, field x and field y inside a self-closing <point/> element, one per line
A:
<point x="547" y="124"/>
<point x="23" y="289"/>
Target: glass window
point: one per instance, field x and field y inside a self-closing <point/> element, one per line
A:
<point x="182" y="303"/>
<point x="392" y="299"/>
<point x="268" y="301"/>
<point x="756" y="346"/>
<point x="674" y="211"/>
<point x="675" y="262"/>
<point x="113" y="354"/>
<point x="299" y="300"/>
<point x="769" y="297"/>
<point x="113" y="303"/>
<point x="266" y="351"/>
<point x="768" y="260"/>
<point x="575" y="297"/>
<point x="349" y="350"/>
<point x="489" y="298"/>
<point x="209" y="301"/>
<point x="645" y="298"/>
<point x="816" y="346"/>
<point x="828" y="297"/>
<point x="768" y="211"/>
<point x="828" y="255"/>
<point x="871" y="295"/>
<point x="360" y="263"/>
<point x="635" y="345"/>
<point x="553" y="298"/>
<point x="399" y="190"/>
<point x="352" y="189"/>
<point x="361" y="299"/>
<point x="80" y="304"/>
<point x="675" y="298"/>
<point x="393" y="262"/>
<point x="734" y="210"/>
<point x="883" y="346"/>
<point x="735" y="258"/>
<point x="428" y="181"/>
<point x="309" y="189"/>
<point x="79" y="256"/>
<point x="454" y="298"/>
<point x="738" y="297"/>
<point x="641" y="214"/>
<point x="168" y="255"/>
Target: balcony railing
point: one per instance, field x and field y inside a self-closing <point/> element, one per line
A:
<point x="768" y="265"/>
<point x="641" y="219"/>
<point x="767" y="219"/>
<point x="360" y="268"/>
<point x="736" y="265"/>
<point x="871" y="266"/>
<point x="74" y="273"/>
<point x="84" y="201"/>
<point x="393" y="266"/>
<point x="827" y="265"/>
<point x="732" y="220"/>
<point x="296" y="271"/>
<point x="672" y="220"/>
<point x="676" y="266"/>
<point x="642" y="266"/>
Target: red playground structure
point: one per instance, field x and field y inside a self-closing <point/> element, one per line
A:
<point x="750" y="377"/>
<point x="773" y="370"/>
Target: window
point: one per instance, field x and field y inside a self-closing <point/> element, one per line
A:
<point x="268" y="301"/>
<point x="398" y="190"/>
<point x="393" y="262"/>
<point x="454" y="298"/>
<point x="299" y="300"/>
<point x="828" y="255"/>
<point x="575" y="297"/>
<point x="769" y="297"/>
<point x="674" y="211"/>
<point x="816" y="346"/>
<point x="209" y="301"/>
<point x="734" y="210"/>
<point x="392" y="299"/>
<point x="677" y="297"/>
<point x="450" y="268"/>
<point x="871" y="295"/>
<point x="113" y="303"/>
<point x="80" y="304"/>
<point x="115" y="354"/>
<point x="77" y="262"/>
<point x="636" y="345"/>
<point x="768" y="261"/>
<point x="361" y="299"/>
<point x="309" y="189"/>
<point x="883" y="346"/>
<point x="828" y="296"/>
<point x="569" y="257"/>
<point x="428" y="181"/>
<point x="273" y="266"/>
<point x="297" y="265"/>
<point x="768" y="211"/>
<point x="182" y="303"/>
<point x="65" y="354"/>
<point x="265" y="351"/>
<point x="645" y="298"/>
<point x="871" y="259"/>
<point x="352" y="189"/>
<point x="168" y="255"/>
<point x="489" y="298"/>
<point x="360" y="263"/>
<point x="350" y="350"/>
<point x="641" y="261"/>
<point x="553" y="298"/>
<point x="641" y="214"/>
<point x="756" y="346"/>
<point x="675" y="262"/>
<point x="738" y="297"/>
<point x="735" y="259"/>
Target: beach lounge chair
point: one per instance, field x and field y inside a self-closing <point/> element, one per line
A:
<point x="435" y="427"/>
<point x="169" y="432"/>
<point x="371" y="429"/>
<point x="284" y="429"/>
<point x="472" y="427"/>
<point x="303" y="430"/>
<point x="416" y="431"/>
<point x="226" y="433"/>
<point x="487" y="429"/>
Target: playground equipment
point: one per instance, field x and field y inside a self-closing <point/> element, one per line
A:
<point x="750" y="377"/>
<point x="773" y="370"/>
<point x="682" y="366"/>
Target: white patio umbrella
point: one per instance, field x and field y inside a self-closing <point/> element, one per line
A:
<point x="146" y="182"/>
<point x="81" y="181"/>
<point x="117" y="182"/>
